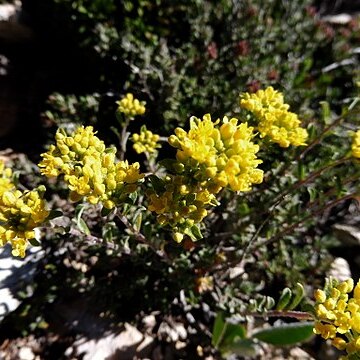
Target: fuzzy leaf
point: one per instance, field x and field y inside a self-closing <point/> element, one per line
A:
<point x="225" y="334"/>
<point x="286" y="334"/>
<point x="243" y="347"/>
<point x="81" y="224"/>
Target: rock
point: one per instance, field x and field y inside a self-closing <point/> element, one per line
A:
<point x="145" y="347"/>
<point x="149" y="322"/>
<point x="11" y="29"/>
<point x="26" y="353"/>
<point x="339" y="19"/>
<point x="15" y="271"/>
<point x="9" y="11"/>
<point x="111" y="347"/>
<point x="173" y="332"/>
<point x="340" y="269"/>
<point x="348" y="235"/>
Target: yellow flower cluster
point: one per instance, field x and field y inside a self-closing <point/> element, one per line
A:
<point x="20" y="213"/>
<point x="5" y="178"/>
<point x="89" y="168"/>
<point x="221" y="155"/>
<point x="210" y="156"/>
<point x="355" y="146"/>
<point x="146" y="141"/>
<point x="130" y="106"/>
<point x="338" y="316"/>
<point x="181" y="205"/>
<point x="274" y="118"/>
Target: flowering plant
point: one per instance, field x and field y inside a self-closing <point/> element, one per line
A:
<point x="207" y="198"/>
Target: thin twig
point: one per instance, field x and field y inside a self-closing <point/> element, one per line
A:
<point x="124" y="138"/>
<point x="310" y="177"/>
<point x="141" y="238"/>
<point x="300" y="315"/>
<point x="298" y="223"/>
<point x="92" y="240"/>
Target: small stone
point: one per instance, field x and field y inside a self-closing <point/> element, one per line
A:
<point x="25" y="353"/>
<point x="340" y="269"/>
<point x="149" y="322"/>
<point x="348" y="235"/>
<point x="145" y="347"/>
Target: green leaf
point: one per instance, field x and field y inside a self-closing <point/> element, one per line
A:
<point x="168" y="164"/>
<point x="34" y="242"/>
<point x="243" y="347"/>
<point x="147" y="230"/>
<point x="108" y="231"/>
<point x="326" y="114"/>
<point x="286" y="334"/>
<point x="196" y="232"/>
<point x="225" y="333"/>
<point x="105" y="212"/>
<point x="157" y="183"/>
<point x="137" y="221"/>
<point x="133" y="197"/>
<point x="285" y="298"/>
<point x="312" y="193"/>
<point x="115" y="131"/>
<point x="81" y="224"/>
<point x="299" y="294"/>
<point x="301" y="170"/>
<point x="79" y="211"/>
<point x="233" y="332"/>
<point x="218" y="328"/>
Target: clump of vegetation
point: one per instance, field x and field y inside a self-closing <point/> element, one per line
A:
<point x="224" y="199"/>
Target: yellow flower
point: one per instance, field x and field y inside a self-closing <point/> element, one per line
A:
<point x="274" y="118"/>
<point x="89" y="168"/>
<point x="130" y="106"/>
<point x="146" y="141"/>
<point x="5" y="178"/>
<point x="339" y="343"/>
<point x="327" y="331"/>
<point x="320" y="296"/>
<point x="20" y="213"/>
<point x="336" y="313"/>
<point x="220" y="155"/>
<point x="181" y="204"/>
<point x="355" y="146"/>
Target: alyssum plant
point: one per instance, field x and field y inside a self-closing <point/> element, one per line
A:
<point x="218" y="165"/>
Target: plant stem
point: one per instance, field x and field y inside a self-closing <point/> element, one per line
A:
<point x="92" y="240"/>
<point x="141" y="238"/>
<point x="310" y="177"/>
<point x="300" y="315"/>
<point x="124" y="138"/>
<point x="298" y="223"/>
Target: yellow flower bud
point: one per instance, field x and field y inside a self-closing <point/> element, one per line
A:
<point x="320" y="295"/>
<point x="178" y="237"/>
<point x="339" y="343"/>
